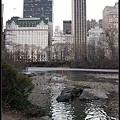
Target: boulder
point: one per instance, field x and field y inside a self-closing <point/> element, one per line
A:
<point x="64" y="97"/>
<point x="93" y="94"/>
<point x="68" y="93"/>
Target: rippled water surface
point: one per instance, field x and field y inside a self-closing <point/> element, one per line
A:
<point x="83" y="110"/>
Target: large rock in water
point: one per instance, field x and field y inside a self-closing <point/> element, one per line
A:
<point x="68" y="93"/>
<point x="93" y="94"/>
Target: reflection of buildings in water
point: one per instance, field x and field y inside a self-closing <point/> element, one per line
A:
<point x="60" y="110"/>
<point x="78" y="109"/>
<point x="74" y="110"/>
<point x="94" y="111"/>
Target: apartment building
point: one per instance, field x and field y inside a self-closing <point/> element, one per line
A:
<point x="95" y="35"/>
<point x="91" y="24"/>
<point x="110" y="17"/>
<point x="61" y="44"/>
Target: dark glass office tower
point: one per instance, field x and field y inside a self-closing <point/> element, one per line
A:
<point x="36" y="8"/>
<point x="67" y="25"/>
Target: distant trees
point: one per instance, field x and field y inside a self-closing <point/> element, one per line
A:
<point x="113" y="49"/>
<point x="104" y="53"/>
<point x="112" y="41"/>
<point x="62" y="52"/>
<point x="96" y="53"/>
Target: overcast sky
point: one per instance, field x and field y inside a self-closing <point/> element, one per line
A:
<point x="62" y="9"/>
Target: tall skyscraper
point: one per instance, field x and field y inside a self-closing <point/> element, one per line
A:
<point x="79" y="28"/>
<point x="36" y="8"/>
<point x="67" y="26"/>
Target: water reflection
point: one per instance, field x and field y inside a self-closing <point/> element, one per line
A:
<point x="60" y="110"/>
<point x="79" y="110"/>
<point x="94" y="111"/>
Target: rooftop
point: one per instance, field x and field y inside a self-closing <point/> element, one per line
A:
<point x="27" y="22"/>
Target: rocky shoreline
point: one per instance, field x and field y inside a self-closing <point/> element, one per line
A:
<point x="40" y="94"/>
<point x="41" y="80"/>
<point x="44" y="78"/>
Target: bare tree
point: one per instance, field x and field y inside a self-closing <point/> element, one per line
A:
<point x="26" y="50"/>
<point x="55" y="52"/>
<point x="112" y="41"/>
<point x="33" y="48"/>
<point x="113" y="52"/>
<point x="38" y="53"/>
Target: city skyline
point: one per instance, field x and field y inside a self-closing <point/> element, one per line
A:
<point x="94" y="10"/>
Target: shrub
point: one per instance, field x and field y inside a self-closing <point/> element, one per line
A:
<point x="15" y="86"/>
<point x="19" y="65"/>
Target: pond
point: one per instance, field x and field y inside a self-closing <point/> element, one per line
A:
<point x="85" y="110"/>
<point x="106" y="109"/>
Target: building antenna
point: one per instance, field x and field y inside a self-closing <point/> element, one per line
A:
<point x="14" y="11"/>
<point x="42" y="11"/>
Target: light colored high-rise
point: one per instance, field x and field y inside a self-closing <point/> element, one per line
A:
<point x="79" y="28"/>
<point x="110" y="17"/>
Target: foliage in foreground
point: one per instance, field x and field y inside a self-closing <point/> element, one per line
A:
<point x="19" y="65"/>
<point x="15" y="86"/>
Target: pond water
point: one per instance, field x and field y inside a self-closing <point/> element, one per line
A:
<point x="83" y="110"/>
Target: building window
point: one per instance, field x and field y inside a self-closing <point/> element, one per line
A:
<point x="29" y="0"/>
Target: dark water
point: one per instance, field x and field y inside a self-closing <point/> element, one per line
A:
<point x="85" y="110"/>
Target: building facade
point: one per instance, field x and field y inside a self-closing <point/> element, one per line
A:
<point x="95" y="35"/>
<point x="67" y="26"/>
<point x="58" y="36"/>
<point x="79" y="28"/>
<point x="91" y="24"/>
<point x="62" y="46"/>
<point x="29" y="33"/>
<point x="50" y="34"/>
<point x="97" y="44"/>
<point x="110" y="17"/>
<point x="100" y="23"/>
<point x="35" y="8"/>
